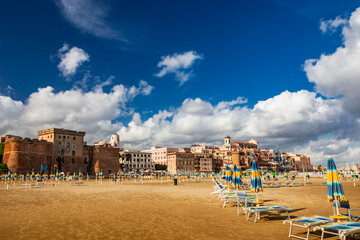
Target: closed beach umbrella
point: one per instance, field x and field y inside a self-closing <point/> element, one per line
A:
<point x="285" y="175"/>
<point x="80" y="175"/>
<point x="307" y="175"/>
<point x="353" y="175"/>
<point x="32" y="175"/>
<point x="236" y="178"/>
<point x="255" y="179"/>
<point x="228" y="178"/>
<point x="334" y="187"/>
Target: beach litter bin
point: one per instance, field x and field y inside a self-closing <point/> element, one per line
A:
<point x="175" y="181"/>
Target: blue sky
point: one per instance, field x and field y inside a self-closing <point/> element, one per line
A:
<point x="182" y="72"/>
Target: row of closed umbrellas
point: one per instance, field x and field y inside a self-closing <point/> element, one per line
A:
<point x="334" y="187"/>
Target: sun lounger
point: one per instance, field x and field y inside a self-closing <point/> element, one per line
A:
<point x="308" y="223"/>
<point x="30" y="185"/>
<point x="341" y="229"/>
<point x="346" y="205"/>
<point x="244" y="204"/>
<point x="259" y="210"/>
<point x="235" y="196"/>
<point x="77" y="183"/>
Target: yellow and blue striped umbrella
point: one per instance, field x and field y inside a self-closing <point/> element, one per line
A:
<point x="353" y="175"/>
<point x="228" y="178"/>
<point x="236" y="178"/>
<point x="80" y="175"/>
<point x="285" y="175"/>
<point x="255" y="178"/>
<point x="38" y="177"/>
<point x="57" y="176"/>
<point x="307" y="175"/>
<point x="33" y="175"/>
<point x="334" y="187"/>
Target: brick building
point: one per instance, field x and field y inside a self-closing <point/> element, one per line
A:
<point x="181" y="162"/>
<point x="59" y="149"/>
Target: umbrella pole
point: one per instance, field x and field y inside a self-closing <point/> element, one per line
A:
<point x="337" y="205"/>
<point x="257" y="196"/>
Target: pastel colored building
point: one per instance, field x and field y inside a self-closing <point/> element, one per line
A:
<point x="159" y="155"/>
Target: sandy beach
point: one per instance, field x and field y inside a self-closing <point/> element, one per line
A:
<point x="151" y="211"/>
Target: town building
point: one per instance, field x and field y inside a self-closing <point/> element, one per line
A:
<point x="203" y="162"/>
<point x="135" y="161"/>
<point x="59" y="150"/>
<point x="159" y="155"/>
<point x="181" y="162"/>
<point x="300" y="162"/>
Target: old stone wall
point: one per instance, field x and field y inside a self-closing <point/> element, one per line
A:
<point x="106" y="159"/>
<point x="24" y="154"/>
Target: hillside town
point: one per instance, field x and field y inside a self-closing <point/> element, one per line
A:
<point x="65" y="150"/>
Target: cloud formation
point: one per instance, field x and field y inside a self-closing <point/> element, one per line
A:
<point x="331" y="25"/>
<point x="70" y="60"/>
<point x="282" y="122"/>
<point x="91" y="17"/>
<point x="179" y="64"/>
<point x="94" y="111"/>
<point x="336" y="75"/>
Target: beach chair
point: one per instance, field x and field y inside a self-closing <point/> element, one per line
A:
<point x="218" y="186"/>
<point x="341" y="229"/>
<point x="236" y="196"/>
<point x="243" y="204"/>
<point x="346" y="205"/>
<point x="308" y="223"/>
<point x="77" y="183"/>
<point x="260" y="210"/>
<point x="232" y="197"/>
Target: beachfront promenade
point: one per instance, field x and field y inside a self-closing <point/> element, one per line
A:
<point x="152" y="210"/>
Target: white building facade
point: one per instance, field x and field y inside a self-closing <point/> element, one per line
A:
<point x="136" y="161"/>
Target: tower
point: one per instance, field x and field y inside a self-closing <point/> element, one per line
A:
<point x="227" y="140"/>
<point x="115" y="140"/>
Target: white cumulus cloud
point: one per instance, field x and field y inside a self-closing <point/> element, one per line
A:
<point x="284" y="121"/>
<point x="95" y="112"/>
<point x="337" y="75"/>
<point x="178" y="64"/>
<point x="71" y="59"/>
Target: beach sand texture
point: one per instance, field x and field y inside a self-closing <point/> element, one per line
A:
<point x="151" y="211"/>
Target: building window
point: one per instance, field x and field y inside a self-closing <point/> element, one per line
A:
<point x="74" y="138"/>
<point x="63" y="144"/>
<point x="67" y="144"/>
<point x="59" y="137"/>
<point x="64" y="137"/>
<point x="85" y="160"/>
<point x="73" y="153"/>
<point x="62" y="152"/>
<point x="73" y="160"/>
<point x="74" y="145"/>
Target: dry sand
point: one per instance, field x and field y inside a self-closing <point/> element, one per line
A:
<point x="150" y="211"/>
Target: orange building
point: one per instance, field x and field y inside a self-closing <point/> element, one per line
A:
<point x="181" y="162"/>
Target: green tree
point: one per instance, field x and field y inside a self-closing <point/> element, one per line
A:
<point x="2" y="147"/>
<point x="160" y="167"/>
<point x="3" y="168"/>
